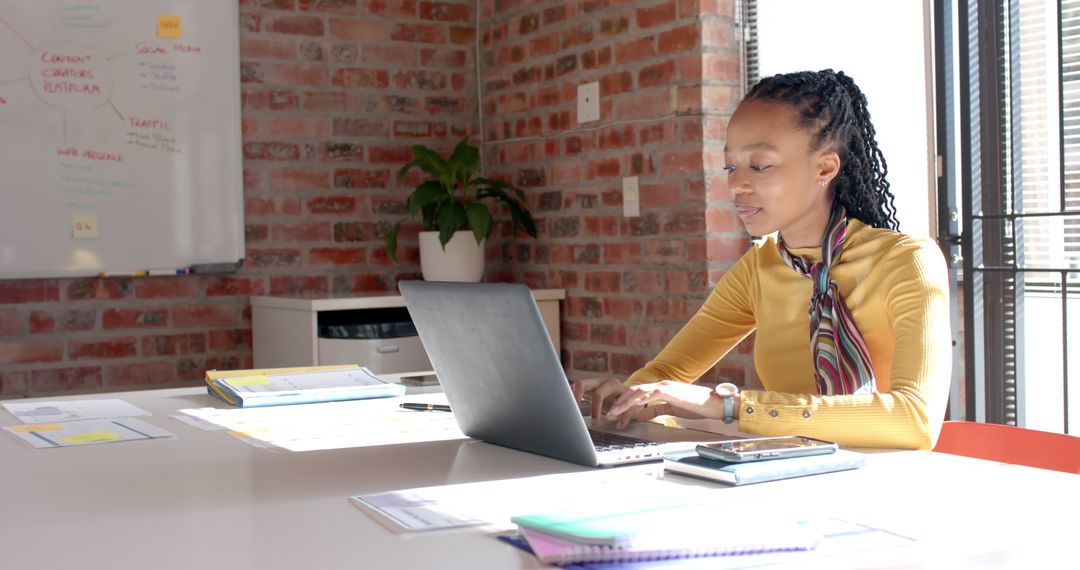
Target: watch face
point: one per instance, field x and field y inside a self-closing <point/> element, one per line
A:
<point x="727" y="389"/>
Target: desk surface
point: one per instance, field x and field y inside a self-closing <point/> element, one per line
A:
<point x="207" y="500"/>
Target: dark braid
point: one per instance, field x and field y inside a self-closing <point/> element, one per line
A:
<point x="833" y="108"/>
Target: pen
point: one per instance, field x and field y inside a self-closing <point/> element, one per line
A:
<point x="426" y="407"/>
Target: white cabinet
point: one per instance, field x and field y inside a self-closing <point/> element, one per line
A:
<point x="285" y="332"/>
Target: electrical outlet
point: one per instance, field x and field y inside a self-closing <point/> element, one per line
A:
<point x="631" y="205"/>
<point x="588" y="102"/>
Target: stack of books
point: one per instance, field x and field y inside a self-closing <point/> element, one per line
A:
<point x="656" y="533"/>
<point x="276" y="387"/>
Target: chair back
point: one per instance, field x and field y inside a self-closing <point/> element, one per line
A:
<point x="1011" y="444"/>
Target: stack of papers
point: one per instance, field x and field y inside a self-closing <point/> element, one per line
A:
<point x="80" y="422"/>
<point x="256" y="388"/>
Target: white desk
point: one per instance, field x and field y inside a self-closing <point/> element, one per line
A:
<point x="209" y="501"/>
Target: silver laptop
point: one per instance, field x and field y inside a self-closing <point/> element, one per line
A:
<point x="506" y="385"/>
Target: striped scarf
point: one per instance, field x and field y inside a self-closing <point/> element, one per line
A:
<point x="841" y="359"/>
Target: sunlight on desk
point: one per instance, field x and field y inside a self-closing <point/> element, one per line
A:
<point x="333" y="425"/>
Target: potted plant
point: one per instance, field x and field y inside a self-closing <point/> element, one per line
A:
<point x="454" y="203"/>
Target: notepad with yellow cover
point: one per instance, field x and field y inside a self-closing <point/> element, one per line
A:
<point x="299" y="385"/>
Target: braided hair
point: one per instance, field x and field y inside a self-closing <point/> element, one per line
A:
<point x="833" y="109"/>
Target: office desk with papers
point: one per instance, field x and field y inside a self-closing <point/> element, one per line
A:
<point x="228" y="496"/>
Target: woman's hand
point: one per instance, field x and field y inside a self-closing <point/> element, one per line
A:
<point x="598" y="391"/>
<point x="647" y="401"/>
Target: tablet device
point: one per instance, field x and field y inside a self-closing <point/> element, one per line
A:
<point x="761" y="448"/>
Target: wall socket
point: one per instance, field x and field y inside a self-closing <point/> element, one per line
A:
<point x="631" y="204"/>
<point x="588" y="102"/>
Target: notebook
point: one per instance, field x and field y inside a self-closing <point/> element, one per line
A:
<point x="659" y="533"/>
<point x="494" y="359"/>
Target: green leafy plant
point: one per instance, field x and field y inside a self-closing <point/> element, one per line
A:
<point x="454" y="198"/>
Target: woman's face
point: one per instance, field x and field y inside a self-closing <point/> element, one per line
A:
<point x="777" y="182"/>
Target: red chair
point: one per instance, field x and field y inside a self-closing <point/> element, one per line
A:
<point x="1011" y="444"/>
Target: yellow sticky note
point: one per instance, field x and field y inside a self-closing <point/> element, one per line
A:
<point x="248" y="381"/>
<point x="93" y="437"/>
<point x="38" y="427"/>
<point x="169" y="26"/>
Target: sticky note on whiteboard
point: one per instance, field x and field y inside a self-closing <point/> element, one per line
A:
<point x="169" y="26"/>
<point x="84" y="226"/>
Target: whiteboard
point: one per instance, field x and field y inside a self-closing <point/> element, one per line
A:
<point x="120" y="148"/>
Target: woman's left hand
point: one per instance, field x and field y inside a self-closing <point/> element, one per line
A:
<point x="665" y="398"/>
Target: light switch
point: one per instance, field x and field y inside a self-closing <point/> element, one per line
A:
<point x="588" y="102"/>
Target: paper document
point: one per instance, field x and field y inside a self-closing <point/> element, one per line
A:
<point x="333" y="425"/>
<point x="86" y="432"/>
<point x="276" y="387"/>
<point x="69" y="410"/>
<point x="492" y="503"/>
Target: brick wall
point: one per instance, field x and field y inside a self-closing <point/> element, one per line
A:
<point x="669" y="79"/>
<point x="333" y="92"/>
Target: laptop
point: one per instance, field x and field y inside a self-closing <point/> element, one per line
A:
<point x="495" y="361"/>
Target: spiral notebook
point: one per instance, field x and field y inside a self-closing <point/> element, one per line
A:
<point x="553" y="550"/>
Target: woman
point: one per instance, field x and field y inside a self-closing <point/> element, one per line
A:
<point x="853" y="342"/>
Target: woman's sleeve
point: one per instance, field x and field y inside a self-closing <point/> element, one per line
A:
<point x="725" y="318"/>
<point x="909" y="414"/>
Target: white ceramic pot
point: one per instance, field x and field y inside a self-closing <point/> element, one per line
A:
<point x="462" y="260"/>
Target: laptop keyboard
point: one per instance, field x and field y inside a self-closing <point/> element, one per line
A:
<point x="604" y="441"/>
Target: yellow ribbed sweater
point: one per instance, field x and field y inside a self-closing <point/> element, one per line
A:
<point x="896" y="288"/>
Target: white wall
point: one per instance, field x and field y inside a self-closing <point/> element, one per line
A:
<point x="882" y="45"/>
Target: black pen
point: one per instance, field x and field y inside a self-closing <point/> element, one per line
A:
<point x="426" y="407"/>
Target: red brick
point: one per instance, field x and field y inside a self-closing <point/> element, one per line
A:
<point x="298" y="284"/>
<point x="325" y="101"/>
<point x="272" y="151"/>
<point x="544" y="45"/>
<point x="681" y="162"/>
<point x="222" y="286"/>
<point x="606" y="168"/>
<point x="399" y="55"/>
<point x="298" y="127"/>
<point x="296" y="179"/>
<point x="721" y="220"/>
<point x="12" y="321"/>
<point x="443" y="58"/>
<point x="575" y="332"/>
<point x="332" y="205"/>
<point x="292" y="75"/>
<point x="358" y="127"/>
<point x="234" y="339"/>
<point x="13" y="384"/>
<point x="64" y="380"/>
<point x="360" y="178"/>
<point x="267" y="48"/>
<point x="173" y="344"/>
<point x="622" y="309"/>
<point x="353" y="77"/>
<point x="327" y="256"/>
<point x="603" y="281"/>
<point x="134" y="318"/>
<point x="118" y="347"/>
<point x="283" y="100"/>
<point x="601" y="226"/>
<point x="718" y="66"/>
<point x="635" y="50"/>
<point x="370" y="30"/>
<point x="158" y="287"/>
<point x="301" y="231"/>
<point x="589" y="361"/>
<point x="664" y="251"/>
<point x="626" y="364"/>
<point x="139" y="374"/>
<point x="661" y="74"/>
<point x="327" y="5"/>
<point x="617" y="137"/>
<point x="657" y="15"/>
<point x="622" y="253"/>
<point x="419" y="33"/>
<point x="20" y="352"/>
<point x="679" y="39"/>
<point x="445" y="11"/>
<point x="462" y="35"/>
<point x="206" y="315"/>
<point x="717" y="33"/>
<point x="398" y="155"/>
<point x="615" y="83"/>
<point x="368" y="283"/>
<point x="297" y="25"/>
<point x="280" y="257"/>
<point x="607" y="334"/>
<point x="28" y="291"/>
<point x="406" y="8"/>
